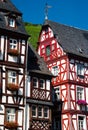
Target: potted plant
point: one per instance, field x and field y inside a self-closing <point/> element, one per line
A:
<point x="12" y="87"/>
<point x="11" y="125"/>
<point x="13" y="52"/>
<point x="81" y="102"/>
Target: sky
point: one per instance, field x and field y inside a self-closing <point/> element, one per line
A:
<point x="69" y="12"/>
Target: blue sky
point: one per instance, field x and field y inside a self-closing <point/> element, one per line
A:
<point x="69" y="12"/>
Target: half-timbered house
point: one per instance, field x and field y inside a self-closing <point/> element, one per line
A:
<point x="13" y="44"/>
<point x="38" y="92"/>
<point x="65" y="51"/>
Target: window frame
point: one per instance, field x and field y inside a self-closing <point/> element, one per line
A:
<point x="84" y="122"/>
<point x="35" y="111"/>
<point x="11" y="77"/>
<point x="55" y="70"/>
<point x="57" y="90"/>
<point x="11" y="114"/>
<point x="80" y="93"/>
<point x="80" y="70"/>
<point x="12" y="22"/>
<point x="13" y="44"/>
<point x="48" y="50"/>
<point x="40" y="112"/>
<point x="35" y="84"/>
<point x="46" y="112"/>
<point x="42" y="84"/>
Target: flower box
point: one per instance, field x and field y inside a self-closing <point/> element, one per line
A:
<point x="13" y="52"/>
<point x="81" y="102"/>
<point x="11" y="125"/>
<point x="12" y="87"/>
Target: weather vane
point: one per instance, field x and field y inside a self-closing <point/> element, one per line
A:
<point x="46" y="10"/>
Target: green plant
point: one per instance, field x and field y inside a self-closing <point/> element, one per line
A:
<point x="33" y="30"/>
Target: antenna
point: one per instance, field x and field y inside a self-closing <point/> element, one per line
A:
<point x="46" y="10"/>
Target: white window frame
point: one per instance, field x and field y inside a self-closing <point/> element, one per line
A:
<point x="55" y="70"/>
<point x="12" y="77"/>
<point x="47" y="113"/>
<point x="13" y="43"/>
<point x="35" y="111"/>
<point x="11" y="22"/>
<point x="10" y="114"/>
<point x="35" y="83"/>
<point x="83" y="126"/>
<point x="80" y="69"/>
<point x="57" y="93"/>
<point x="40" y="116"/>
<point x="42" y="84"/>
<point x="80" y="93"/>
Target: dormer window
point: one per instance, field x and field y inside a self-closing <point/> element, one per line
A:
<point x="11" y="22"/>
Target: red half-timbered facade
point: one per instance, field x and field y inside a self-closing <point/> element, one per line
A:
<point x="13" y="45"/>
<point x="65" y="51"/>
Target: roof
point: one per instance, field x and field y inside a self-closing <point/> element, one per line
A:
<point x="8" y="9"/>
<point x="39" y="102"/>
<point x="72" y="40"/>
<point x="35" y="63"/>
<point x="7" y="5"/>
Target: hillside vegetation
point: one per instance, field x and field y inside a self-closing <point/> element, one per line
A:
<point x="33" y="30"/>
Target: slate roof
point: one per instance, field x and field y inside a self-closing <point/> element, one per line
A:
<point x="35" y="63"/>
<point x="72" y="40"/>
<point x="8" y="6"/>
<point x="6" y="9"/>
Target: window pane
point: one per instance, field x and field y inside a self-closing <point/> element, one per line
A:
<point x="55" y="70"/>
<point x="35" y="82"/>
<point x="57" y="94"/>
<point x="39" y="111"/>
<point x="33" y="110"/>
<point x="42" y="84"/>
<point x="46" y="112"/>
<point x="12" y="77"/>
<point x="79" y="93"/>
<point x="80" y="69"/>
<point x="10" y="114"/>
<point x="13" y="44"/>
<point x="48" y="50"/>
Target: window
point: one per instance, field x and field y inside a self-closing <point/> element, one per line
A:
<point x="39" y="111"/>
<point x="81" y="122"/>
<point x="80" y="70"/>
<point x="55" y="70"/>
<point x="57" y="94"/>
<point x="42" y="84"/>
<point x="34" y="111"/>
<point x="35" y="82"/>
<point x="48" y="50"/>
<point x="12" y="77"/>
<point x="11" y="22"/>
<point x="46" y="112"/>
<point x="10" y="114"/>
<point x="79" y="93"/>
<point x="13" y="44"/>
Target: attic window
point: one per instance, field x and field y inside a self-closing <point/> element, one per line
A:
<point x="11" y="22"/>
